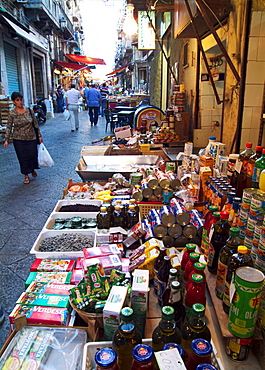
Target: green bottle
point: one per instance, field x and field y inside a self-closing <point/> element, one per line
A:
<point x="166" y="331"/>
<point x="259" y="166"/>
<point x="103" y="219"/>
<point x="126" y="337"/>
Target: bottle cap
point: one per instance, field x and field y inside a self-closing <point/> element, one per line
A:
<point x="191" y="246"/>
<point x="198" y="310"/>
<point x="167" y="258"/>
<point x="199" y="266"/>
<point x="263" y="151"/>
<point x="213" y="208"/>
<point x="131" y="206"/>
<point x="237" y="200"/>
<point x="103" y="208"/>
<point x="201" y="347"/>
<point x="174" y="345"/>
<point x="126" y="314"/>
<point x="194" y="256"/>
<point x="132" y="201"/>
<point x="162" y="248"/>
<point x="173" y="272"/>
<point x="234" y="231"/>
<point x="168" y="313"/>
<point x="175" y="285"/>
<point x="259" y="148"/>
<point x="206" y="367"/>
<point x="242" y="249"/>
<point x="118" y="201"/>
<point x="231" y="194"/>
<point x="105" y="357"/>
<point x="248" y="145"/>
<point x="212" y="138"/>
<point x="142" y="352"/>
<point x="117" y="207"/>
<point x="197" y="278"/>
<point x="216" y="214"/>
<point x="233" y="156"/>
<point x="224" y="215"/>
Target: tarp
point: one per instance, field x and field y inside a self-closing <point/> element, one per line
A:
<point x="84" y="59"/>
<point x="116" y="71"/>
<point x="74" y="66"/>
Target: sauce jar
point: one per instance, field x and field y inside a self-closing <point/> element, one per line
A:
<point x="201" y="351"/>
<point x="142" y="357"/>
<point x="106" y="358"/>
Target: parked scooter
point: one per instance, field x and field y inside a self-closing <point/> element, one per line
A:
<point x="40" y="110"/>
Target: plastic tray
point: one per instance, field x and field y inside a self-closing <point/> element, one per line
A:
<point x="50" y="222"/>
<point x="62" y="255"/>
<point x="66" y="202"/>
<point x="145" y="207"/>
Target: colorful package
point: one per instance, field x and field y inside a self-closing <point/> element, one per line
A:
<point x="139" y="298"/>
<point x="41" y="315"/>
<point x="52" y="265"/>
<point x="102" y="250"/>
<point x="42" y="299"/>
<point x="49" y="277"/>
<point x="77" y="275"/>
<point x="108" y="263"/>
<point x="79" y="263"/>
<point x="49" y="288"/>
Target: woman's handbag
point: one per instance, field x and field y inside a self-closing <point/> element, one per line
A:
<point x="44" y="158"/>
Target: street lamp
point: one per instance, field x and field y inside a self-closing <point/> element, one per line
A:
<point x="129" y="25"/>
<point x="63" y="22"/>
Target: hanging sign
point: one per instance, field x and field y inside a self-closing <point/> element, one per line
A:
<point x="146" y="34"/>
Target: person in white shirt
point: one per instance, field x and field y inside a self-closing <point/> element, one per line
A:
<point x="72" y="100"/>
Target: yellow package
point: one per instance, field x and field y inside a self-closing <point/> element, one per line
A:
<point x="175" y="262"/>
<point x="148" y="264"/>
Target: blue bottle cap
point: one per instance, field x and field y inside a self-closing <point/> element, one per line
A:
<point x="201" y="347"/>
<point x="105" y="357"/>
<point x="174" y="345"/>
<point x="142" y="352"/>
<point x="206" y="367"/>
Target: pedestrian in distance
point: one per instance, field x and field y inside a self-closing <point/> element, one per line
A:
<point x="72" y="104"/>
<point x="23" y="127"/>
<point x="93" y="98"/>
<point x="59" y="97"/>
<point x="104" y="91"/>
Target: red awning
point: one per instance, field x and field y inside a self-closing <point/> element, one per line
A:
<point x="74" y="66"/>
<point x="84" y="59"/>
<point x="116" y="71"/>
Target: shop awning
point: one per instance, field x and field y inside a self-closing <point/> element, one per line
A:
<point x="39" y="41"/>
<point x="85" y="60"/>
<point x="74" y="66"/>
<point x="117" y="71"/>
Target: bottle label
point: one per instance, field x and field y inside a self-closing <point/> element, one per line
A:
<point x="256" y="174"/>
<point x="220" y="279"/>
<point x="160" y="288"/>
<point x="226" y="296"/>
<point x="250" y="169"/>
<point x="211" y="253"/>
<point x="175" y="296"/>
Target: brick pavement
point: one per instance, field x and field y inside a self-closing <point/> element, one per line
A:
<point x="25" y="208"/>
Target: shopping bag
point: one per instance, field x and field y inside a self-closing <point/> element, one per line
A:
<point x="44" y="158"/>
<point x="66" y="114"/>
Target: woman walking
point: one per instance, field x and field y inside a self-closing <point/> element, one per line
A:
<point x="23" y="128"/>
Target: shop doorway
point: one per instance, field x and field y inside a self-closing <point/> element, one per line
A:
<point x="38" y="75"/>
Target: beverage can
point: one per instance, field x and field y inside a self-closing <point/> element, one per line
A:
<point x="148" y="229"/>
<point x="163" y="180"/>
<point x="180" y="212"/>
<point x="135" y="178"/>
<point x="137" y="193"/>
<point x="171" y="166"/>
<point x="174" y="230"/>
<point x="147" y="192"/>
<point x="168" y="241"/>
<point x="189" y="231"/>
<point x="243" y="311"/>
<point x="153" y="213"/>
<point x="159" y="229"/>
<point x="257" y="206"/>
<point x="237" y="349"/>
<point x="166" y="215"/>
<point x="152" y="181"/>
<point x="174" y="181"/>
<point x="247" y="197"/>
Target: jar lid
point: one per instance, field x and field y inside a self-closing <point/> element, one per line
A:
<point x="191" y="246"/>
<point x="216" y="214"/>
<point x="167" y="313"/>
<point x="174" y="345"/>
<point x="224" y="215"/>
<point x="212" y="138"/>
<point x="173" y="271"/>
<point x="242" y="249"/>
<point x="201" y="347"/>
<point x="105" y="357"/>
<point x="175" y="285"/>
<point x="198" y="310"/>
<point x="199" y="266"/>
<point x="197" y="278"/>
<point x="213" y="208"/>
<point x="142" y="352"/>
<point x="194" y="256"/>
<point x="206" y="367"/>
<point x="126" y="314"/>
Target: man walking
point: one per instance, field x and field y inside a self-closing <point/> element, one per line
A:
<point x="93" y="98"/>
<point x="104" y="91"/>
<point x="72" y="100"/>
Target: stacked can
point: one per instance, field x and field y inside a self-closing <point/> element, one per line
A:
<point x="244" y="214"/>
<point x="261" y="313"/>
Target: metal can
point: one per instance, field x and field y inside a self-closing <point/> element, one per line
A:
<point x="137" y="193"/>
<point x="247" y="197"/>
<point x="261" y="312"/>
<point x="147" y="192"/>
<point x="245" y="303"/>
<point x="175" y="230"/>
<point x="168" y="241"/>
<point x="148" y="229"/>
<point x="174" y="181"/>
<point x="182" y="216"/>
<point x="257" y="206"/>
<point x="158" y="192"/>
<point x="197" y="219"/>
<point x="159" y="229"/>
<point x="162" y="178"/>
<point x="170" y="166"/>
<point x="181" y="242"/>
<point x="152" y="214"/>
<point x="135" y="178"/>
<point x="189" y="231"/>
<point x="237" y="349"/>
<point x="152" y="181"/>
<point x="166" y="215"/>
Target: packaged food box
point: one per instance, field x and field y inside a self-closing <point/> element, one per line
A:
<point x="49" y="277"/>
<point x="42" y="299"/>
<point x="79" y="263"/>
<point x="102" y="250"/>
<point x="52" y="264"/>
<point x="77" y="275"/>
<point x="112" y="309"/>
<point x="145" y="262"/>
<point x="108" y="237"/>
<point x="49" y="288"/>
<point x="145" y="247"/>
<point x="108" y="263"/>
<point x="134" y="234"/>
<point x="139" y="297"/>
<point x="41" y="315"/>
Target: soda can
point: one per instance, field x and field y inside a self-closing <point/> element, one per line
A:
<point x="159" y="229"/>
<point x="182" y="216"/>
<point x="146" y="224"/>
<point x="168" y="241"/>
<point x="147" y="192"/>
<point x="189" y="231"/>
<point x="247" y="197"/>
<point x="174" y="230"/>
<point x="245" y="303"/>
<point x="174" y="181"/>
<point x="153" y="213"/>
<point x="166" y="215"/>
<point x="257" y="206"/>
<point x="237" y="349"/>
<point x="152" y="181"/>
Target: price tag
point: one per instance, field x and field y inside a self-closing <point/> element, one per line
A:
<point x="238" y="166"/>
<point x="170" y="360"/>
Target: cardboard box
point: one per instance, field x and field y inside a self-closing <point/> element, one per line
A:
<point x="123" y="132"/>
<point x="139" y="298"/>
<point x="42" y="299"/>
<point x="108" y="263"/>
<point x="52" y="264"/>
<point x="41" y="315"/>
<point x="49" y="277"/>
<point x="102" y="250"/>
<point x="49" y="288"/>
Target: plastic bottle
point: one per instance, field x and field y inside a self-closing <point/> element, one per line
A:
<point x="229" y="201"/>
<point x="226" y="252"/>
<point x="218" y="240"/>
<point x="176" y="302"/>
<point x="132" y="217"/>
<point x="259" y="166"/>
<point x="239" y="259"/>
<point x="162" y="278"/>
<point x="103" y="219"/>
<point x="196" y="293"/>
<point x="206" y="226"/>
<point x="262" y="181"/>
<point x="242" y="178"/>
<point x="190" y="247"/>
<point x="166" y="331"/>
<point x="195" y="327"/>
<point x="117" y="217"/>
<point x="212" y="139"/>
<point x="193" y="257"/>
<point x="251" y="162"/>
<point x="106" y="358"/>
<point x="125" y="338"/>
<point x="142" y="357"/>
<point x="215" y="218"/>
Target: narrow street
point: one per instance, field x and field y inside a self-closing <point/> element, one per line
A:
<point x="25" y="208"/>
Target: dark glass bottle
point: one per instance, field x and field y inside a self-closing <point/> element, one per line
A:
<point x="125" y="339"/>
<point x="195" y="327"/>
<point x="118" y="219"/>
<point x="132" y="217"/>
<point x="242" y="177"/>
<point x="143" y="356"/>
<point x="162" y="278"/>
<point x="173" y="276"/>
<point x="157" y="264"/>
<point x="103" y="219"/>
<point x="166" y="331"/>
<point x="226" y="252"/>
<point x="251" y="163"/>
<point x="218" y="240"/>
<point x="239" y="259"/>
<point x="175" y="301"/>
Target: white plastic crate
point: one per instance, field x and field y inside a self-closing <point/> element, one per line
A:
<point x="50" y="222"/>
<point x="63" y="255"/>
<point x="66" y="202"/>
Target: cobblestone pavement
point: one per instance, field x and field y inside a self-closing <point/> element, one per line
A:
<point x="25" y="208"/>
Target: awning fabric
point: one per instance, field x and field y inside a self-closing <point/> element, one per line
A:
<point x="116" y="71"/>
<point x="74" y="66"/>
<point x="85" y="60"/>
<point x="29" y="36"/>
